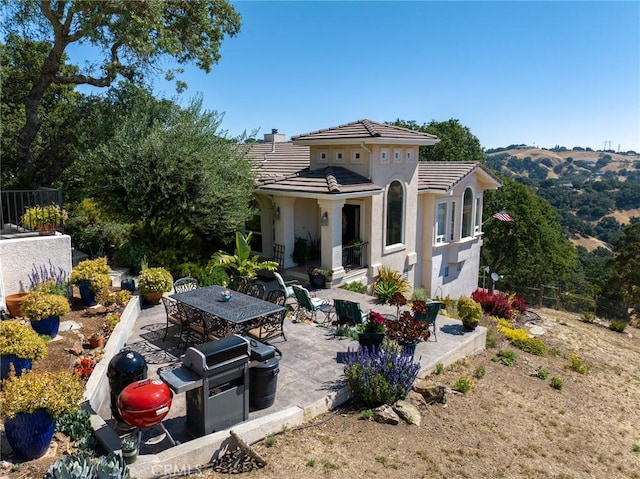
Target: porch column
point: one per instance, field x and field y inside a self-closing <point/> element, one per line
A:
<point x="331" y="236"/>
<point x="284" y="227"/>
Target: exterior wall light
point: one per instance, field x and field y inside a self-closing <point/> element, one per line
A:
<point x="324" y="219"/>
<point x="276" y="213"/>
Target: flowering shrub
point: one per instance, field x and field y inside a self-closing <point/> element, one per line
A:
<point x="49" y="279"/>
<point x="38" y="305"/>
<point x="521" y="339"/>
<point x="96" y="271"/>
<point x="155" y="279"/>
<point x="21" y="340"/>
<point x="36" y="217"/>
<point x="493" y="304"/>
<point x="57" y="392"/>
<point x="375" y="323"/>
<point x="380" y="377"/>
<point x="469" y="311"/>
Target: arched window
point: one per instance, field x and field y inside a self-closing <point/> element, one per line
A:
<point x="467" y="213"/>
<point x="395" y="216"/>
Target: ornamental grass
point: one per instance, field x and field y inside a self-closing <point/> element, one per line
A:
<point x="57" y="392"/>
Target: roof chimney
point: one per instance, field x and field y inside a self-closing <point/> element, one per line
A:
<point x="274" y="137"/>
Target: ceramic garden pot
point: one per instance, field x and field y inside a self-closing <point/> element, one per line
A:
<point x="18" y="363"/>
<point x="30" y="434"/>
<point x="153" y="297"/>
<point x="86" y="294"/>
<point x="370" y="341"/>
<point x="49" y="326"/>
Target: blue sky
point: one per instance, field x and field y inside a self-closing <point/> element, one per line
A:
<point x="542" y="73"/>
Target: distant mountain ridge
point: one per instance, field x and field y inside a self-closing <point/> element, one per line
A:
<point x="596" y="192"/>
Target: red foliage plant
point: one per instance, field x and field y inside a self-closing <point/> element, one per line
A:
<point x="493" y="304"/>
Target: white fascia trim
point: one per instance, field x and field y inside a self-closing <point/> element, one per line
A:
<point x="321" y="196"/>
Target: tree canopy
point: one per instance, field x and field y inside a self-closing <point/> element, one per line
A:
<point x="531" y="250"/>
<point x="457" y="143"/>
<point x="131" y="38"/>
<point x="626" y="265"/>
<point x="166" y="164"/>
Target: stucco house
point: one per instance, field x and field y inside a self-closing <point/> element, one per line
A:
<point x="362" y="183"/>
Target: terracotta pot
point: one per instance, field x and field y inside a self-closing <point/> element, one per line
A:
<point x="14" y="304"/>
<point x="96" y="341"/>
<point x="153" y="297"/>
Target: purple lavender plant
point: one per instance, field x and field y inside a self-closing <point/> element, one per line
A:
<point x="56" y="278"/>
<point x="380" y="377"/>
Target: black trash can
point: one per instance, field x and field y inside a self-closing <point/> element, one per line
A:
<point x="124" y="368"/>
<point x="263" y="374"/>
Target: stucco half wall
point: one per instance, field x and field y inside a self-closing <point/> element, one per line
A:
<point x="18" y="256"/>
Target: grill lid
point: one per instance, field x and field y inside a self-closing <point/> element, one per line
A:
<point x="208" y="356"/>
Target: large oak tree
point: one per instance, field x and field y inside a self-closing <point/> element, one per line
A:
<point x="131" y="39"/>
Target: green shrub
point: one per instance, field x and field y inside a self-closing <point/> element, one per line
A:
<point x="155" y="279"/>
<point x="577" y="364"/>
<point x="542" y="373"/>
<point x="506" y="357"/>
<point x="531" y="345"/>
<point x="479" y="372"/>
<point x="419" y="294"/>
<point x="469" y="311"/>
<point x="132" y="255"/>
<point x="381" y="377"/>
<point x="355" y="286"/>
<point x="556" y="383"/>
<point x="463" y="384"/>
<point x="588" y="317"/>
<point x="439" y="368"/>
<point x="618" y="326"/>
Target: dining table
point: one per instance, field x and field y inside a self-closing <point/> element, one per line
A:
<point x="238" y="310"/>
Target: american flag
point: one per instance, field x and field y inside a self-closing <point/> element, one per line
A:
<point x="502" y="216"/>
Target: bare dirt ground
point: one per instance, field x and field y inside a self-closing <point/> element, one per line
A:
<point x="510" y="425"/>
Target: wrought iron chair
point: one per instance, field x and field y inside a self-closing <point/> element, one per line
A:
<point x="209" y="327"/>
<point x="431" y="315"/>
<point x="239" y="284"/>
<point x="256" y="290"/>
<point x="349" y="312"/>
<point x="175" y="315"/>
<point x="272" y="326"/>
<point x="185" y="284"/>
<point x="313" y="305"/>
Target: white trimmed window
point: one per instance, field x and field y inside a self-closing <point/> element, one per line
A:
<point x="356" y="156"/>
<point x="478" y="224"/>
<point x="395" y="213"/>
<point x="397" y="155"/>
<point x="323" y="156"/>
<point x="339" y="156"/>
<point x="409" y="156"/>
<point x="441" y="223"/>
<point x="384" y="155"/>
<point x="467" y="213"/>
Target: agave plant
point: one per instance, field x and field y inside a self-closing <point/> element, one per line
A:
<point x="242" y="261"/>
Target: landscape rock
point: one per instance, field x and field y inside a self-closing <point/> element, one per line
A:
<point x="432" y="392"/>
<point x="416" y="399"/>
<point x="77" y="349"/>
<point x="408" y="412"/>
<point x="385" y="415"/>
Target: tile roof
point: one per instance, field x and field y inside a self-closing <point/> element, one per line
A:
<point x="284" y="167"/>
<point x="444" y="175"/>
<point x="366" y="129"/>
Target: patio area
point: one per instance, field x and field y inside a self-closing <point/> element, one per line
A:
<point x="309" y="381"/>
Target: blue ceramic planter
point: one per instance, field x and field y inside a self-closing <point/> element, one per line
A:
<point x="29" y="435"/>
<point x="18" y="363"/>
<point x="86" y="294"/>
<point x="48" y="326"/>
<point x="370" y="341"/>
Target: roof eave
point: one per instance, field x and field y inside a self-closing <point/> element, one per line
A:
<point x="369" y="141"/>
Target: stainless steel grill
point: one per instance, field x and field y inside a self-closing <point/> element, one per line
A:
<point x="215" y="378"/>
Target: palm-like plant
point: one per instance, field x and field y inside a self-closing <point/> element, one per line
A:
<point x="242" y="261"/>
